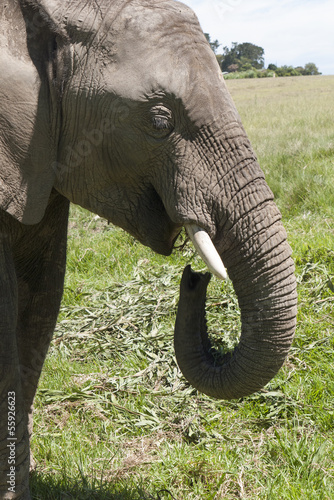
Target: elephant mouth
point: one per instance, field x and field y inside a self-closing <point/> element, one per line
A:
<point x="200" y="238"/>
<point x="166" y="245"/>
<point x="202" y="243"/>
<point x="169" y="231"/>
<point x="153" y="225"/>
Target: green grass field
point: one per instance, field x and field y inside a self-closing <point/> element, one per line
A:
<point x="115" y="419"/>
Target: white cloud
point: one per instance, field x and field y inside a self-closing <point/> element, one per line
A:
<point x="292" y="32"/>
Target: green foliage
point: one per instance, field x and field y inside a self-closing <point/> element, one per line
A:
<point x="115" y="419"/>
<point x="311" y="69"/>
<point x="249" y="72"/>
<point x="286" y="71"/>
<point x="243" y="56"/>
<point x="246" y="60"/>
<point x="213" y="44"/>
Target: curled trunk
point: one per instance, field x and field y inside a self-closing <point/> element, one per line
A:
<point x="262" y="272"/>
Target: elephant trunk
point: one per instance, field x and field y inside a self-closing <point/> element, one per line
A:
<point x="262" y="272"/>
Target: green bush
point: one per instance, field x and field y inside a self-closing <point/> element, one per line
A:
<point x="247" y="71"/>
<point x="251" y="73"/>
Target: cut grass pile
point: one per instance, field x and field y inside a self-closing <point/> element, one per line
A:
<point x="114" y="418"/>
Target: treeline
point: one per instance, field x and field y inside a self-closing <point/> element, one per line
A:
<point x="246" y="60"/>
<point x="273" y="70"/>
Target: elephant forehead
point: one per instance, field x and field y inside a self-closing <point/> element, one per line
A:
<point x="150" y="39"/>
<point x="164" y="49"/>
<point x="201" y="91"/>
<point x="150" y="16"/>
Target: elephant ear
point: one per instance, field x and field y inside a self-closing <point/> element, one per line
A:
<point x="35" y="59"/>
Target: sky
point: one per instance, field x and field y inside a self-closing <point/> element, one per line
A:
<point x="291" y="32"/>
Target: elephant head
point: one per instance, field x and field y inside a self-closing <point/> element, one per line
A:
<point x="127" y="114"/>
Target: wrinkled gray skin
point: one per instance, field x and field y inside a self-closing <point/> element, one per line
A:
<point x="120" y="107"/>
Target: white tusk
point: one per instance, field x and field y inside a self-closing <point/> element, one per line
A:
<point x="206" y="249"/>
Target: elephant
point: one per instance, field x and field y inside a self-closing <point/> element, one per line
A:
<point x="119" y="106"/>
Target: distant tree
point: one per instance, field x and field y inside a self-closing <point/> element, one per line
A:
<point x="245" y="65"/>
<point x="284" y="70"/>
<point x="213" y="44"/>
<point x="230" y="56"/>
<point x="247" y="61"/>
<point x="311" y="69"/>
<point x="252" y="54"/>
<point x="243" y="54"/>
<point x="300" y="70"/>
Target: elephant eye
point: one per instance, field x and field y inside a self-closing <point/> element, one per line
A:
<point x="161" y="119"/>
<point x="161" y="122"/>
